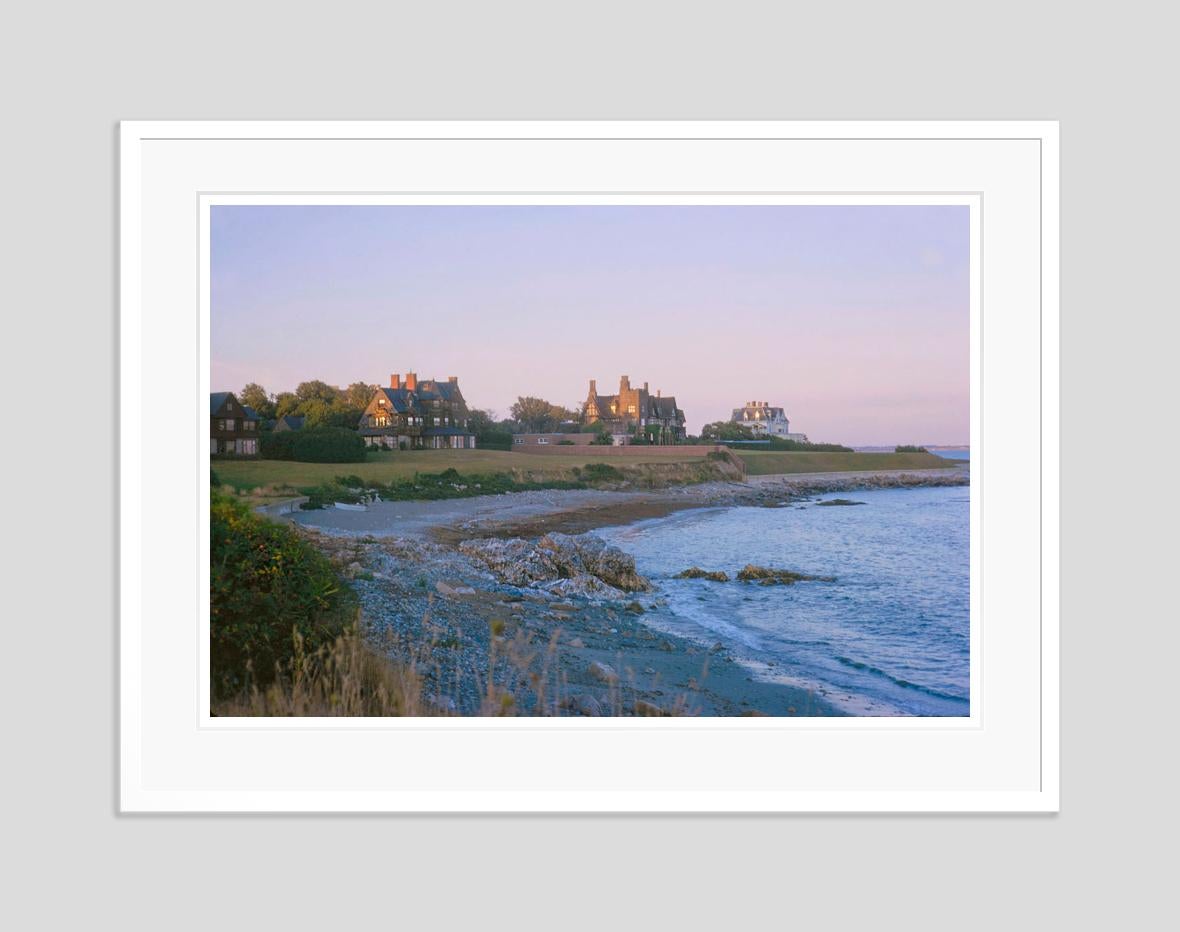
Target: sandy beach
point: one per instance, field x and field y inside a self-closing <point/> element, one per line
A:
<point x="437" y="592"/>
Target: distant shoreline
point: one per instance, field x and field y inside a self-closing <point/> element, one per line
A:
<point x="530" y="514"/>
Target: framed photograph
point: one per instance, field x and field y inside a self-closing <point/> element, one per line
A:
<point x="589" y="466"/>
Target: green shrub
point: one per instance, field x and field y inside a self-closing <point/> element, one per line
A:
<point x="909" y="448"/>
<point x="278" y="446"/>
<point x="493" y="439"/>
<point x="601" y="472"/>
<point x="328" y="445"/>
<point x="269" y="590"/>
<point x="214" y="479"/>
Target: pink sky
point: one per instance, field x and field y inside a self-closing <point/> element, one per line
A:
<point x="854" y="319"/>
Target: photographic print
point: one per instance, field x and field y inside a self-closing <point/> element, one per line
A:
<point x="590" y="460"/>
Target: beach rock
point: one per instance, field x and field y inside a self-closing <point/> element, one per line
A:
<point x="577" y="643"/>
<point x="558" y="557"/>
<point x="517" y="562"/>
<point x="604" y="672"/>
<point x="771" y="577"/>
<point x="583" y="705"/>
<point x="583" y="586"/>
<point x="695" y="572"/>
<point x="450" y="591"/>
<point x="642" y="707"/>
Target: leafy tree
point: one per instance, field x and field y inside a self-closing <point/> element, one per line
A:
<point x="286" y="403"/>
<point x="538" y="416"/>
<point x="315" y="389"/>
<point x="317" y="413"/>
<point x="726" y="430"/>
<point x="358" y="395"/>
<point x="257" y="398"/>
<point x="479" y="421"/>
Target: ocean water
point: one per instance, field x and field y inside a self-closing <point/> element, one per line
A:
<point x="889" y="637"/>
<point x="953" y="454"/>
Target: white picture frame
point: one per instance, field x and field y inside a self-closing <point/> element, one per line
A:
<point x="174" y="757"/>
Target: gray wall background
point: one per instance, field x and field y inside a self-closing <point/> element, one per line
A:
<point x="70" y="71"/>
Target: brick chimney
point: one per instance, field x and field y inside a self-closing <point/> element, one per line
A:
<point x="624" y="384"/>
<point x="593" y="387"/>
<point x="645" y="388"/>
<point x="395" y="381"/>
<point x="411" y="381"/>
<point x="452" y="378"/>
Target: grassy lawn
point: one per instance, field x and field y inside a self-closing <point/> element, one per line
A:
<point x="383" y="467"/>
<point x="765" y="463"/>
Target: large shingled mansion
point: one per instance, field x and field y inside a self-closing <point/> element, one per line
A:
<point x="635" y="410"/>
<point x="765" y="421"/>
<point x="417" y="414"/>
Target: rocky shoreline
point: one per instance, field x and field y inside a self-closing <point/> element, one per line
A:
<point x="512" y="608"/>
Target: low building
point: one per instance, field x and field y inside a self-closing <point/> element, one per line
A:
<point x="417" y="414"/>
<point x="555" y="439"/>
<point x="765" y="421"/>
<point x="233" y="426"/>
<point x="635" y="411"/>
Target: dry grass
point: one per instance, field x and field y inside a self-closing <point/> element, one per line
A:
<point x="354" y="677"/>
<point x="347" y="678"/>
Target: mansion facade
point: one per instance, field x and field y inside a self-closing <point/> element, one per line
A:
<point x="417" y="414"/>
<point x="233" y="426"/>
<point x="765" y="421"/>
<point x="635" y="411"/>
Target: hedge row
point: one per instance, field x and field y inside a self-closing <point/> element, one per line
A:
<point x="314" y="445"/>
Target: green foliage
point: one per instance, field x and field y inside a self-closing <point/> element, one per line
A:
<point x="259" y="399"/>
<point x="782" y="443"/>
<point x="286" y="403"/>
<point x="601" y="472"/>
<point x="909" y="448"/>
<point x="214" y="479"/>
<point x="726" y="430"/>
<point x="271" y="596"/>
<point x="449" y="483"/>
<point x="278" y="446"/>
<point x="328" y="445"/>
<point x="493" y="438"/>
<point x="538" y="416"/>
<point x="323" y="405"/>
<point x="358" y="395"/>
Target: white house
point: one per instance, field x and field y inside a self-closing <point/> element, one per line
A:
<point x="765" y="421"/>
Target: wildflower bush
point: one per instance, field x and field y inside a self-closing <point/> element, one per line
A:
<point x="269" y="590"/>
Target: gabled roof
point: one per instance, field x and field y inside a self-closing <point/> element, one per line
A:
<point x="217" y="399"/>
<point x="663" y="406"/>
<point x="400" y="399"/>
<point x="429" y="388"/>
<point x="291" y="421"/>
<point x="251" y="414"/>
